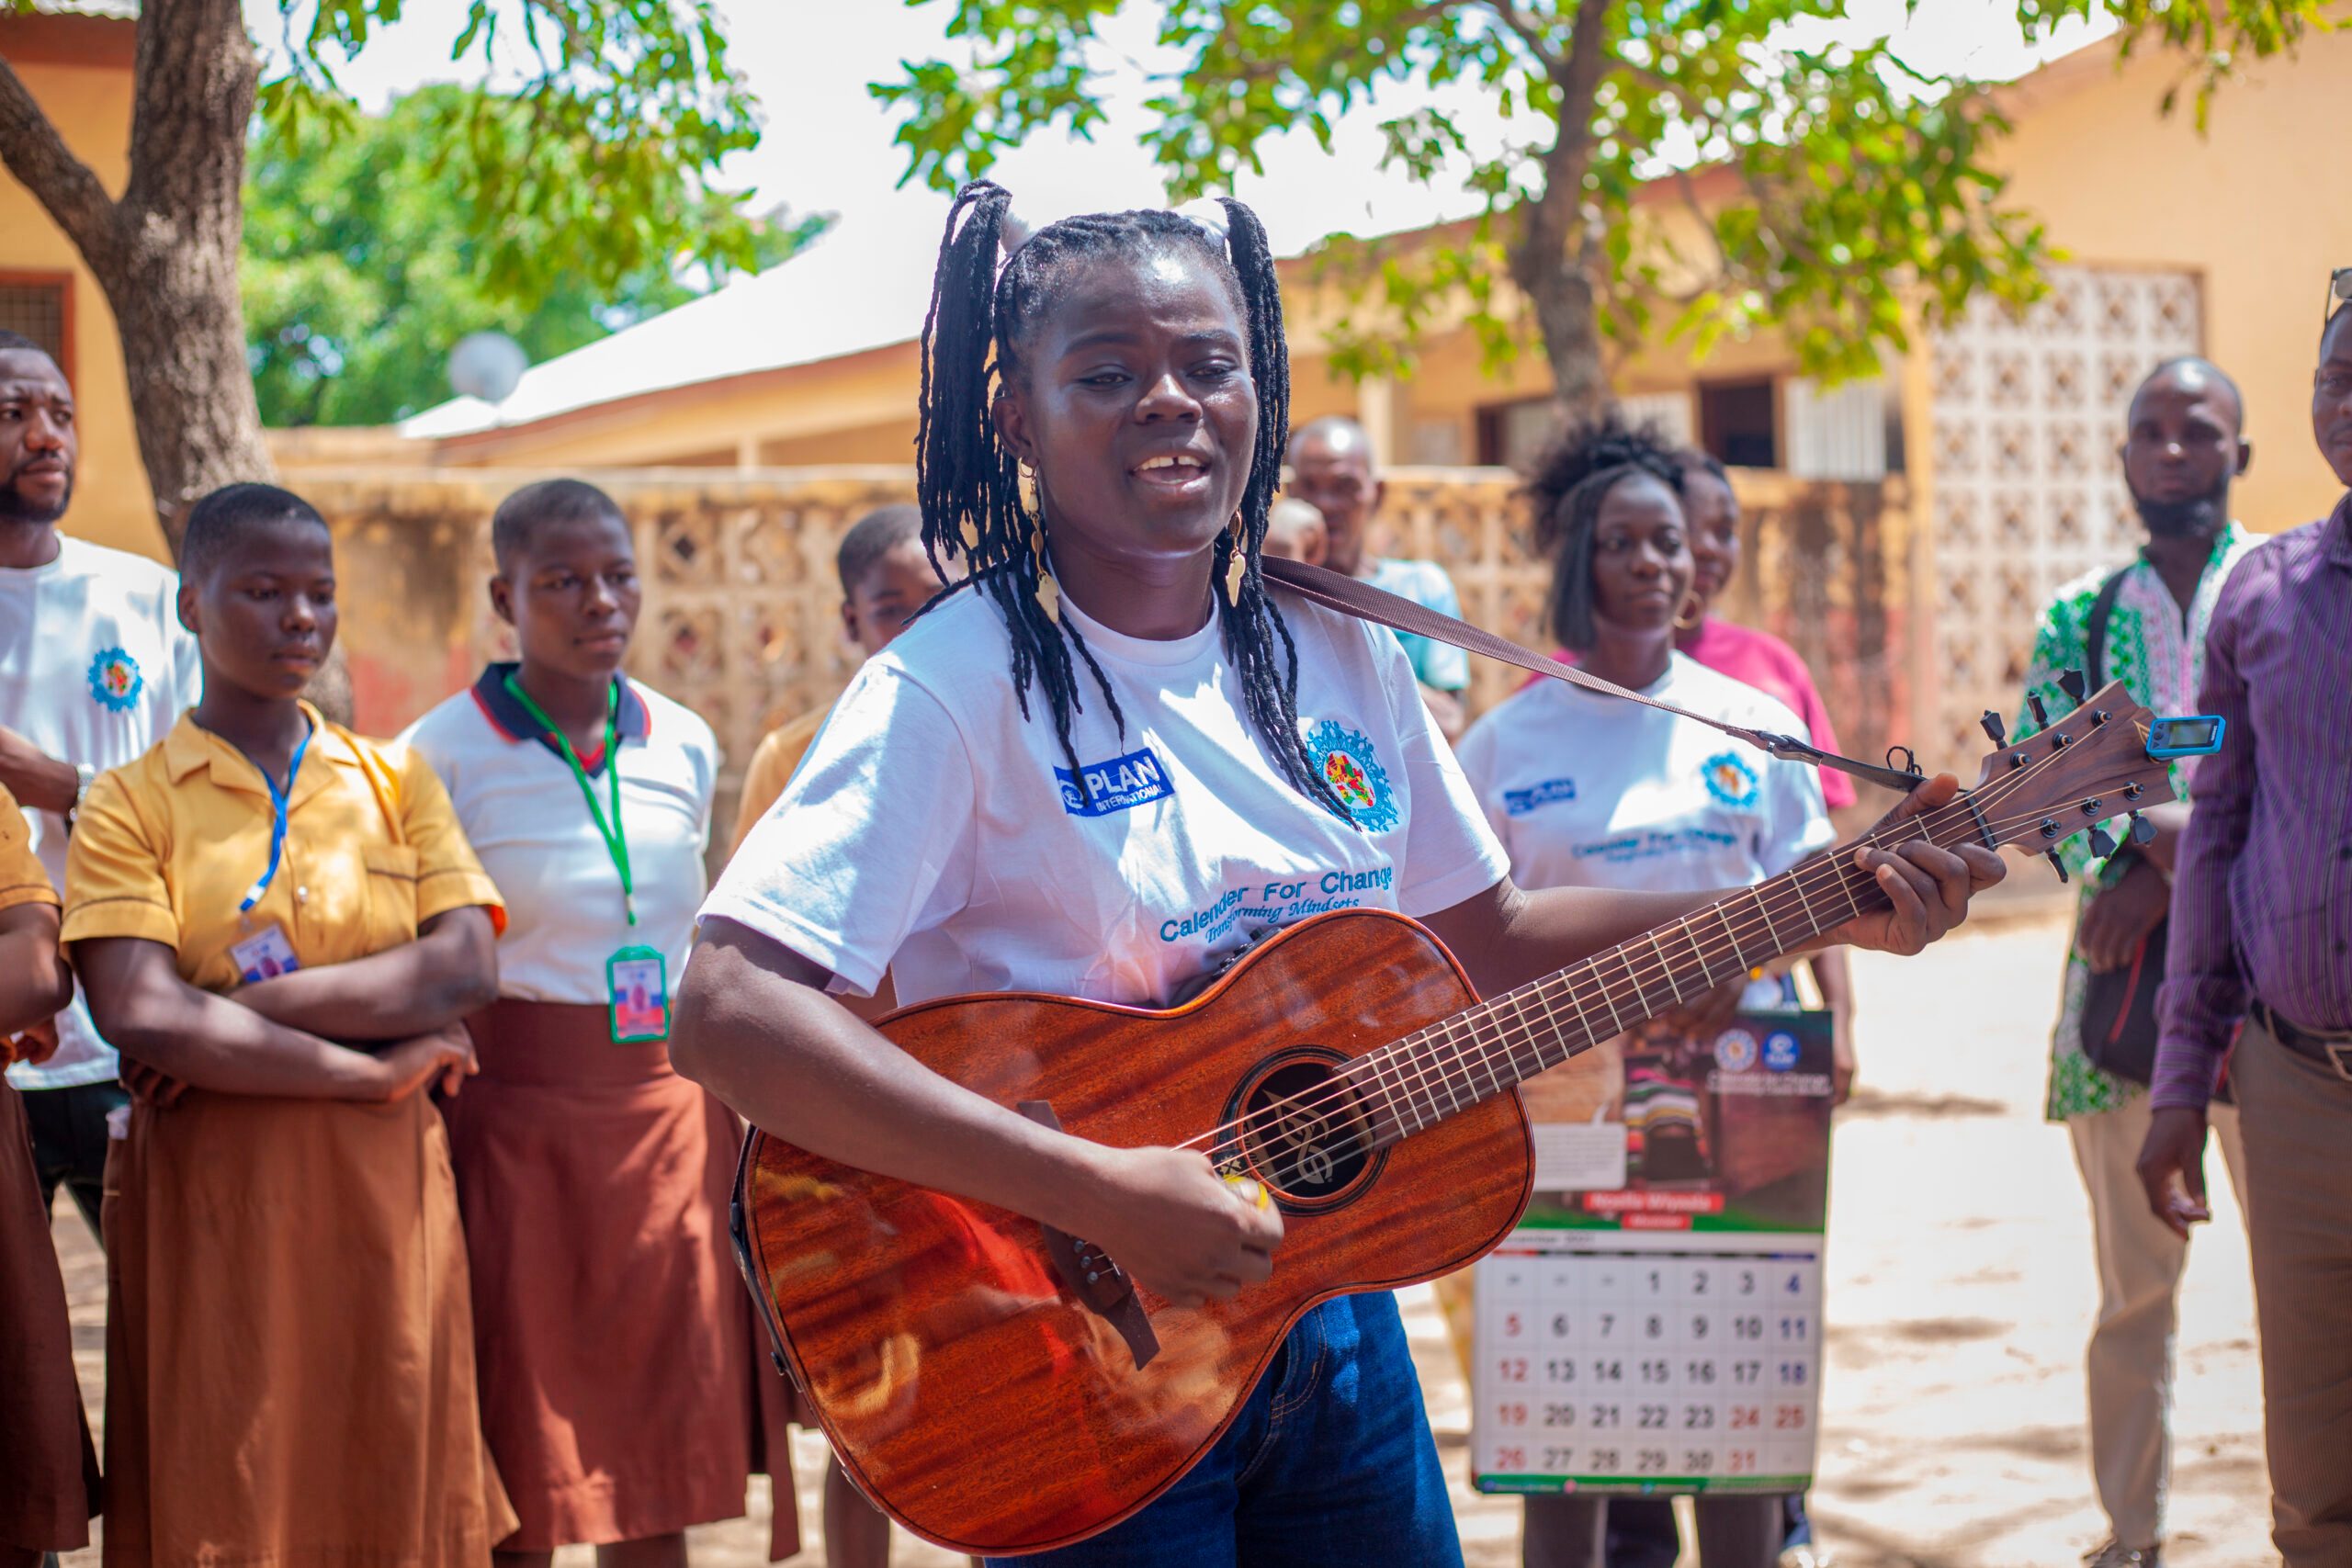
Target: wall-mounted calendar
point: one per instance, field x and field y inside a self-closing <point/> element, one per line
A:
<point x="1654" y="1322"/>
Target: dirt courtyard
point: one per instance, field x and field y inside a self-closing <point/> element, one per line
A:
<point x="1960" y="1292"/>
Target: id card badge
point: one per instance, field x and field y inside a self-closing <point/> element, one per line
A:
<point x="636" y="990"/>
<point x="265" y="955"/>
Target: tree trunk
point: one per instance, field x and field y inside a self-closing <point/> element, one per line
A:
<point x="1549" y="262"/>
<point x="175" y="287"/>
<point x="165" y="254"/>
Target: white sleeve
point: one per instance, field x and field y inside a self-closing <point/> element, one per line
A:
<point x="1476" y="755"/>
<point x="1796" y="823"/>
<point x="1449" y="852"/>
<point x="872" y="839"/>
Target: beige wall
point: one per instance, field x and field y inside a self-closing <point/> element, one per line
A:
<point x="79" y="70"/>
<point x="2252" y="206"/>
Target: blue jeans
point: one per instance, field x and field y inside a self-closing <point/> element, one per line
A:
<point x="1330" y="1462"/>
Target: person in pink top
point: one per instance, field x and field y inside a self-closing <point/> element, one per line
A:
<point x="1755" y="657"/>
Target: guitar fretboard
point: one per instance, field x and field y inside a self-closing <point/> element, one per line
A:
<point x="1478" y="1052"/>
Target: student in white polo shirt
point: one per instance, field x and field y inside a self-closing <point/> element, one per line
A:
<point x="623" y="1412"/>
<point x="94" y="668"/>
<point x="1588" y="791"/>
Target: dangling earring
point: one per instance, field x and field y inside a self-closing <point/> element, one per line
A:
<point x="1693" y="616"/>
<point x="1050" y="593"/>
<point x="1237" y="565"/>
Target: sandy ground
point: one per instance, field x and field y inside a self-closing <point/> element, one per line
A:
<point x="1961" y="1291"/>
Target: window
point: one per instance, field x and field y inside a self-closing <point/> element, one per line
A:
<point x="41" y="306"/>
<point x="1739" y="423"/>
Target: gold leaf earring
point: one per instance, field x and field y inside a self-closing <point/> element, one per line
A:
<point x="1237" y="565"/>
<point x="1049" y="594"/>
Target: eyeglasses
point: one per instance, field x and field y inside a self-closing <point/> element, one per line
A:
<point x="2339" y="292"/>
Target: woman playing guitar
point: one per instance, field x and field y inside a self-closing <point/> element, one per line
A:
<point x="1102" y="765"/>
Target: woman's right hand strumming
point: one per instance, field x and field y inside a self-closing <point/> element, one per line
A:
<point x="1178" y="1229"/>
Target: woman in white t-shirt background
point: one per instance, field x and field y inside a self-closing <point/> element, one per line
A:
<point x="1590" y="791"/>
<point x="1101" y="767"/>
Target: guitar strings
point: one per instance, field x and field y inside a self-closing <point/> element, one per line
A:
<point x="1428" y="1066"/>
<point x="1432" y="1070"/>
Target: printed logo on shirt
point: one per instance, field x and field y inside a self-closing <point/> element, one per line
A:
<point x="1520" y="801"/>
<point x="1350" y="766"/>
<point x="1730" y="779"/>
<point x="1735" y="1050"/>
<point x="114" y="680"/>
<point x="1780" y="1051"/>
<point x="1120" y="784"/>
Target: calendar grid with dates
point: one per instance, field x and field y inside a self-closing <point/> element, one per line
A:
<point x="1689" y="1366"/>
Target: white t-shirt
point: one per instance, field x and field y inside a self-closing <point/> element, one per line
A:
<point x="94" y="668"/>
<point x="1591" y="790"/>
<point x="521" y="808"/>
<point x="934" y="831"/>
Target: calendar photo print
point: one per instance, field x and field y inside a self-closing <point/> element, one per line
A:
<point x="1653" y="1325"/>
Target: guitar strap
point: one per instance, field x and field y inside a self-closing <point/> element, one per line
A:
<point x="1351" y="596"/>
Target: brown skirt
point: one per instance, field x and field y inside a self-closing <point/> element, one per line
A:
<point x="620" y="1381"/>
<point x="49" y="1472"/>
<point x="290" y="1342"/>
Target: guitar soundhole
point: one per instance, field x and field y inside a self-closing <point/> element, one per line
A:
<point x="1301" y="1131"/>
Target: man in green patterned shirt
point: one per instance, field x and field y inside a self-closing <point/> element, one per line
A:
<point x="2181" y="450"/>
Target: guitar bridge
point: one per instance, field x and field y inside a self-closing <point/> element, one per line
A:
<point x="1093" y="1275"/>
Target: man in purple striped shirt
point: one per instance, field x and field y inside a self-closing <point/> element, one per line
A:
<point x="2262" y="933"/>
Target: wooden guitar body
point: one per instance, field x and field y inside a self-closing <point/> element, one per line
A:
<point x="968" y="1385"/>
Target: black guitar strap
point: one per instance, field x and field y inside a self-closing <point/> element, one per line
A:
<point x="1362" y="600"/>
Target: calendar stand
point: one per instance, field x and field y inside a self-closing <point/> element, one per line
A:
<point x="1653" y="1325"/>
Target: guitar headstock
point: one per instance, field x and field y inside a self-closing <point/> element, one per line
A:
<point x="2107" y="758"/>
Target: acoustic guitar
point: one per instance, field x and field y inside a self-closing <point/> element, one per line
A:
<point x="1001" y="1387"/>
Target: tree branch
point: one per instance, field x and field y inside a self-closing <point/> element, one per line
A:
<point x="62" y="183"/>
<point x="1529" y="34"/>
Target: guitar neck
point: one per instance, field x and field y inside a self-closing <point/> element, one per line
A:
<point x="1477" y="1054"/>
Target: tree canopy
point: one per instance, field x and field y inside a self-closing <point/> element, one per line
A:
<point x="356" y="281"/>
<point x="1678" y="163"/>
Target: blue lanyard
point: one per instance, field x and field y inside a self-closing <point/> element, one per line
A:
<point x="279" y="803"/>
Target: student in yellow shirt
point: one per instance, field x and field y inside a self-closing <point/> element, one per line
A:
<point x="886" y="578"/>
<point x="281" y="928"/>
<point x="47" y="1473"/>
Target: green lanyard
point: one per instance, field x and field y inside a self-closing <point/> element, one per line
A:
<point x="615" y="840"/>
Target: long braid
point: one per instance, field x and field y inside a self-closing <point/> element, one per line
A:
<point x="969" y="484"/>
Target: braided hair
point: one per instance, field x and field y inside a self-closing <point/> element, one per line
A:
<point x="1564" y="491"/>
<point x="968" y="481"/>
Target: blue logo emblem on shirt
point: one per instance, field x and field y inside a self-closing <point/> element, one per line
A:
<point x="114" y="680"/>
<point x="1735" y="1050"/>
<point x="1729" y="780"/>
<point x="1120" y="784"/>
<point x="1520" y="801"/>
<point x="1780" y="1051"/>
<point x="1351" y="770"/>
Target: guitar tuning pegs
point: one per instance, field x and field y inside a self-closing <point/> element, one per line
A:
<point x="2143" y="830"/>
<point x="2074" y="685"/>
<point x="2101" y="845"/>
<point x="2055" y="864"/>
<point x="1995" y="728"/>
<point x="2041" y="714"/>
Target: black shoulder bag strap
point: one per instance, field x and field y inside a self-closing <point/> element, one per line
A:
<point x="2095" y="628"/>
<point x="1362" y="600"/>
